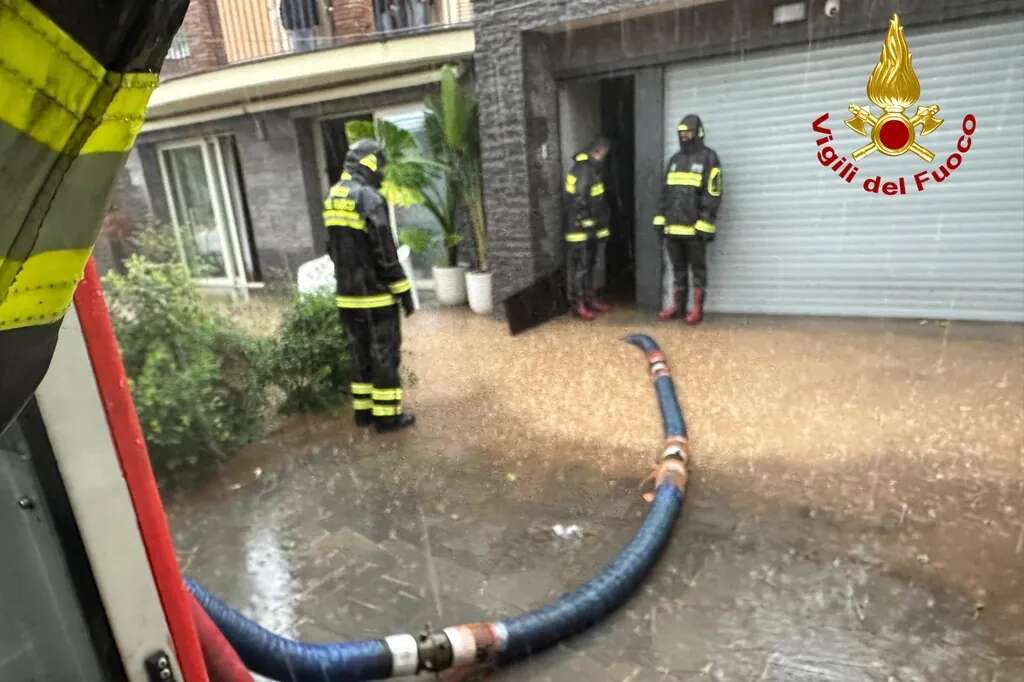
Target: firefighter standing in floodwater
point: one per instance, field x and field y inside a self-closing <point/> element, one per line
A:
<point x="371" y="285"/>
<point x="587" y="227"/>
<point x="689" y="205"/>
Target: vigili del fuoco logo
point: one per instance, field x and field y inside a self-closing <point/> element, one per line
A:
<point x="893" y="87"/>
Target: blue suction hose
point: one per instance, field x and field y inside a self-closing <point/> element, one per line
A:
<point x="504" y="641"/>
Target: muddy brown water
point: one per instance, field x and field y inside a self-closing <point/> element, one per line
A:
<point x="854" y="511"/>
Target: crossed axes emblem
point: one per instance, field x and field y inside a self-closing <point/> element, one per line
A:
<point x="893" y="125"/>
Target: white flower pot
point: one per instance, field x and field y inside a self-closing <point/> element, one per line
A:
<point x="478" y="284"/>
<point x="450" y="285"/>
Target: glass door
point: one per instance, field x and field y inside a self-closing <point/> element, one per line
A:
<point x="202" y="206"/>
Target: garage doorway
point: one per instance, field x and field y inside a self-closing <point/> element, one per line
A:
<point x="605" y="106"/>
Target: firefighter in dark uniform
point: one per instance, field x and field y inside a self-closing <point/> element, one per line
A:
<point x="371" y="286"/>
<point x="587" y="228"/>
<point x="689" y="204"/>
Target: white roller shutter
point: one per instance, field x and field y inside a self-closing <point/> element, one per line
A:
<point x="794" y="238"/>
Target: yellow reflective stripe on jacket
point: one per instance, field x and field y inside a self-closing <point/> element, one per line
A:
<point x="576" y="236"/>
<point x="715" y="182"/>
<point x="370" y="301"/>
<point x="659" y="220"/>
<point x="684" y="178"/>
<point x="361" y="388"/>
<point x="582" y="156"/>
<point x="47" y="80"/>
<point x="680" y="230"/>
<point x="399" y="287"/>
<point x="124" y="116"/>
<point x="597" y="189"/>
<point x="339" y="204"/>
<point x="387" y="394"/>
<point x="362" y="404"/>
<point x="603" y="232"/>
<point x="56" y="98"/>
<point x="44" y="287"/>
<point x="340" y="191"/>
<point x="588" y="222"/>
<point x="344" y="219"/>
<point x="570" y="183"/>
<point x="705" y="226"/>
<point x="387" y="410"/>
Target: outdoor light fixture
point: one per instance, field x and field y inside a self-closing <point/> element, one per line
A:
<point x="789" y="13"/>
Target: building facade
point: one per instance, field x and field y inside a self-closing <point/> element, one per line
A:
<point x="247" y="130"/>
<point x="794" y="238"/>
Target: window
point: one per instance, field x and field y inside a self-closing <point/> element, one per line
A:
<point x="202" y="179"/>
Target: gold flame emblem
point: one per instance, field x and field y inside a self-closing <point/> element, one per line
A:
<point x="893" y="87"/>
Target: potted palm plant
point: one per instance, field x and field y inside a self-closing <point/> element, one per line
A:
<point x="452" y="129"/>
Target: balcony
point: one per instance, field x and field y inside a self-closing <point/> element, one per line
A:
<point x="219" y="33"/>
<point x="233" y="57"/>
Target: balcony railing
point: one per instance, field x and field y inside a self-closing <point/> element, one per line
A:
<point x="217" y="33"/>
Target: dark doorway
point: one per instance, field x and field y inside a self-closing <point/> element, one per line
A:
<point x="336" y="144"/>
<point x="617" y="124"/>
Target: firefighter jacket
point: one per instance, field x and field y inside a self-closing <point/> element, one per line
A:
<point x="588" y="206"/>
<point x="359" y="240"/>
<point x="691" y="194"/>
<point x="74" y="82"/>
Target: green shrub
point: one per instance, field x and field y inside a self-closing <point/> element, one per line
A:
<point x="199" y="384"/>
<point x="310" y="357"/>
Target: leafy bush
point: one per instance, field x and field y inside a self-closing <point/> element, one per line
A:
<point x="199" y="383"/>
<point x="310" y="358"/>
<point x="420" y="240"/>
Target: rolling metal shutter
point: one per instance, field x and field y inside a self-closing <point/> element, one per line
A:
<point x="794" y="238"/>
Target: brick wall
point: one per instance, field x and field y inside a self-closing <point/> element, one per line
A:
<point x="353" y="18"/>
<point x="205" y="41"/>
<point x="516" y="67"/>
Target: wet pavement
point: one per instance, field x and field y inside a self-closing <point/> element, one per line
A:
<point x="855" y="509"/>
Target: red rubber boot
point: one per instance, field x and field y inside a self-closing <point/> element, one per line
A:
<point x="678" y="300"/>
<point x="581" y="311"/>
<point x="596" y="304"/>
<point x="697" y="314"/>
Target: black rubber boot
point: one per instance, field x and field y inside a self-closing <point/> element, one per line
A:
<point x="402" y="421"/>
<point x="364" y="418"/>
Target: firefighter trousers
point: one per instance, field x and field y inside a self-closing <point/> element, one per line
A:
<point x="374" y="347"/>
<point x="583" y="258"/>
<point x="687" y="255"/>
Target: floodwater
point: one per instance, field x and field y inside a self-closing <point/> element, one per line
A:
<point x="854" y="512"/>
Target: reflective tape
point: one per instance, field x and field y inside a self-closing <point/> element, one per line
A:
<point x="570" y="183"/>
<point x="370" y="161"/>
<point x="362" y="389"/>
<point x="387" y="394"/>
<point x="680" y="230"/>
<point x="404" y="654"/>
<point x="387" y="410"/>
<point x="339" y="204"/>
<point x="341" y="191"/>
<point x="705" y="226"/>
<point x="597" y="189"/>
<point x="125" y="114"/>
<point x="43" y="287"/>
<point x="603" y="233"/>
<point x="371" y="301"/>
<point x="684" y="178"/>
<point x="47" y="80"/>
<point x="576" y="236"/>
<point x="659" y="220"/>
<point x="715" y="182"/>
<point x="588" y="222"/>
<point x="362" y="404"/>
<point x="582" y="156"/>
<point x="400" y="287"/>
